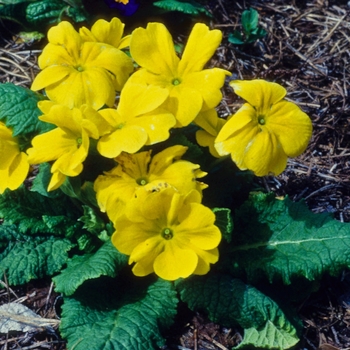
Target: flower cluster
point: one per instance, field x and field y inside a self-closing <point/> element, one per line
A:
<point x="149" y="192"/>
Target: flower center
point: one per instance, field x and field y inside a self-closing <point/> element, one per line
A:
<point x="167" y="233"/>
<point x="79" y="69"/>
<point x="142" y="181"/>
<point x="261" y="120"/>
<point x="79" y="141"/>
<point x="176" y="81"/>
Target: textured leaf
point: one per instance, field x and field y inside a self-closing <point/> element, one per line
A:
<point x="282" y="239"/>
<point x="189" y="7"/>
<point x="107" y="261"/>
<point x="33" y="213"/>
<point x="224" y="222"/>
<point x="124" y="316"/>
<point x="32" y="258"/>
<point x="51" y="11"/>
<point x="18" y="109"/>
<point x="229" y="302"/>
<point x="270" y="337"/>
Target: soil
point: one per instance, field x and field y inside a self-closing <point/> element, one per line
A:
<point x="307" y="50"/>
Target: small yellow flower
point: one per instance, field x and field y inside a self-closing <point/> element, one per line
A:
<point x="264" y="131"/>
<point x="106" y="32"/>
<point x="168" y="233"/>
<point x="118" y="186"/>
<point x="191" y="89"/>
<point x="68" y="144"/>
<point x="14" y="166"/>
<point x="137" y="121"/>
<point x="211" y="125"/>
<point x="76" y="72"/>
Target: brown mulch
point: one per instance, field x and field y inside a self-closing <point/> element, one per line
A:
<point x="307" y="50"/>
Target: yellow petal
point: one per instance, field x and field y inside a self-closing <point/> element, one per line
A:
<point x="259" y="93"/>
<point x="138" y="99"/>
<point x="175" y="262"/>
<point x="153" y="49"/>
<point x="292" y="127"/>
<point x="244" y="117"/>
<point x="163" y="159"/>
<point x="205" y="258"/>
<point x="65" y="35"/>
<point x="80" y="88"/>
<point x="127" y="139"/>
<point x="208" y="83"/>
<point x="156" y="124"/>
<point x="15" y="174"/>
<point x="57" y="179"/>
<point x="265" y="155"/>
<point x="197" y="224"/>
<point x="104" y="32"/>
<point x="51" y="75"/>
<point x="185" y="103"/>
<point x="56" y="55"/>
<point x="200" y="47"/>
<point x="49" y="146"/>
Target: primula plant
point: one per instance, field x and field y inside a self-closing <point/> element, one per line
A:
<point x="121" y="182"/>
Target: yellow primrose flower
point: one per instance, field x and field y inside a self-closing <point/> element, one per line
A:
<point x="168" y="233"/>
<point x="14" y="166"/>
<point x="191" y="89"/>
<point x="211" y="125"/>
<point x="106" y="32"/>
<point x="265" y="131"/>
<point x="118" y="186"/>
<point x="68" y="144"/>
<point x="76" y="72"/>
<point x="137" y="121"/>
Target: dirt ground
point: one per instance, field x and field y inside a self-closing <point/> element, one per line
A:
<point x="307" y="50"/>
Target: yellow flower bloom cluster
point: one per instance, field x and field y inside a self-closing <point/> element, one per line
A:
<point x="152" y="197"/>
<point x="81" y="72"/>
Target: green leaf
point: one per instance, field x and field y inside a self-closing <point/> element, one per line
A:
<point x="269" y="337"/>
<point x="281" y="239"/>
<point x="14" y="12"/>
<point x="52" y="11"/>
<point x="19" y="111"/>
<point x="118" y="315"/>
<point x="250" y="20"/>
<point x="36" y="214"/>
<point x="229" y="301"/>
<point x="189" y="7"/>
<point x="107" y="261"/>
<point x="224" y="222"/>
<point x="236" y="38"/>
<point x="32" y="258"/>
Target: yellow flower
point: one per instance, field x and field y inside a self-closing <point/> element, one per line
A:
<point x="191" y="89"/>
<point x="211" y="125"/>
<point x="106" y="32"/>
<point x="264" y="131"/>
<point x="68" y="144"/>
<point x="13" y="163"/>
<point x="76" y="72"/>
<point x="168" y="233"/>
<point x="118" y="186"/>
<point x="137" y="121"/>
